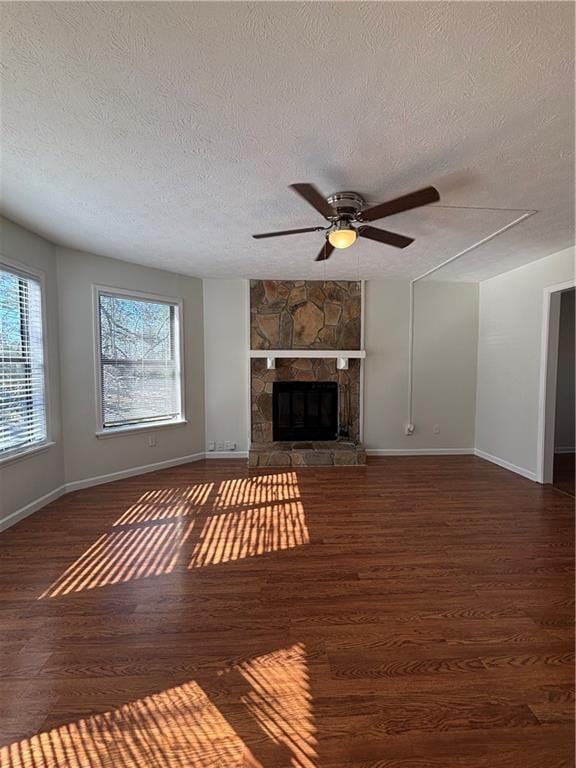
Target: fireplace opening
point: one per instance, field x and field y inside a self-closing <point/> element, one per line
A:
<point x="305" y="410"/>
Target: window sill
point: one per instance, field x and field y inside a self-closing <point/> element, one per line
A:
<point x="103" y="434"/>
<point x="25" y="453"/>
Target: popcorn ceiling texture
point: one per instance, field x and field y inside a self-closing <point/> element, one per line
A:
<point x="167" y="133"/>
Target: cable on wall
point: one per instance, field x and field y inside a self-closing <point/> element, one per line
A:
<point x="409" y="429"/>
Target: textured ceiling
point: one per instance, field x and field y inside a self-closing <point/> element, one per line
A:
<point x="167" y="133"/>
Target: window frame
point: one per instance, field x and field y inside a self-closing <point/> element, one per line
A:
<point x="26" y="272"/>
<point x="107" y="290"/>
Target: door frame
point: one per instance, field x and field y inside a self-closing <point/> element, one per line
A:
<point x="548" y="375"/>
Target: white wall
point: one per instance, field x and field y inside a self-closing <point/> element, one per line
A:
<point x="565" y="415"/>
<point x="510" y="326"/>
<point x="445" y="338"/>
<point x="26" y="479"/>
<point x="87" y="456"/>
<point x="226" y="344"/>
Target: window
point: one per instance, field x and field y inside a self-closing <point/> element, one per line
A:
<point x="139" y="360"/>
<point x="22" y="375"/>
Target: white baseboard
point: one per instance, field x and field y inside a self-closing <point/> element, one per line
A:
<point x="33" y="506"/>
<point x="226" y="455"/>
<point x="420" y="451"/>
<point x="77" y="485"/>
<point x="528" y="474"/>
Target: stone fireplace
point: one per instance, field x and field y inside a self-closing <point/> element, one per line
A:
<point x="306" y="370"/>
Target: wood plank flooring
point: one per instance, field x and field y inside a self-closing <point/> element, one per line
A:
<point x="565" y="473"/>
<point x="414" y="613"/>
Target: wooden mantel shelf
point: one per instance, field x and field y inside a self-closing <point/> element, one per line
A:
<point x="341" y="355"/>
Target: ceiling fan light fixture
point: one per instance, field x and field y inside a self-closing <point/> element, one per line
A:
<point x="342" y="235"/>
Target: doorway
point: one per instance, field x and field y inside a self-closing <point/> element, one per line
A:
<point x="563" y="465"/>
<point x="556" y="449"/>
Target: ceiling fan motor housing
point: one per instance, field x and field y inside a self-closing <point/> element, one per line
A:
<point x="347" y="205"/>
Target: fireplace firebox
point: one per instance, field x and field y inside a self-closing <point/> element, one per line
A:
<point x="305" y="410"/>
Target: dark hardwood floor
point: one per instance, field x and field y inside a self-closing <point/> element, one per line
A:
<point x="565" y="473"/>
<point x="414" y="613"/>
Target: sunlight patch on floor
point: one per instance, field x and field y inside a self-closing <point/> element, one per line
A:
<point x="281" y="703"/>
<point x="177" y="728"/>
<point x="124" y="555"/>
<point x="250" y="532"/>
<point x="192" y="527"/>
<point x="167" y="503"/>
<point x="281" y="486"/>
<point x="255" y="516"/>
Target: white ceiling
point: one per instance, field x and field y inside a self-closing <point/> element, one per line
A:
<point x="167" y="133"/>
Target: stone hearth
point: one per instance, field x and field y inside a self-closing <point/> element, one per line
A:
<point x="320" y="454"/>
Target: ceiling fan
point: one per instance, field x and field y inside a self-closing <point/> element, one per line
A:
<point x="346" y="213"/>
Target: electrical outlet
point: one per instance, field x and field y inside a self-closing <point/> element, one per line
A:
<point x="212" y="445"/>
<point x="436" y="429"/>
<point x="151" y="441"/>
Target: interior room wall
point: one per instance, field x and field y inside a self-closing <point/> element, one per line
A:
<point x="449" y="350"/>
<point x="565" y="412"/>
<point x="445" y="371"/>
<point x="510" y="327"/>
<point x="444" y="374"/>
<point x="25" y="480"/>
<point x="87" y="456"/>
<point x="226" y="344"/>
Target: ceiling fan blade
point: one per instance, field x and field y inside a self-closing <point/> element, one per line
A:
<point x="383" y="236"/>
<point x="314" y="197"/>
<point x="326" y="251"/>
<point x="405" y="203"/>
<point x="287" y="232"/>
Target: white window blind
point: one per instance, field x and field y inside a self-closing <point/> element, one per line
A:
<point x="22" y="378"/>
<point x="139" y="360"/>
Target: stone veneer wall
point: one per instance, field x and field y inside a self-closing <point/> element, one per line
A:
<point x="298" y="314"/>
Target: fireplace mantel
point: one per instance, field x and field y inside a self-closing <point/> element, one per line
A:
<point x="342" y="355"/>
